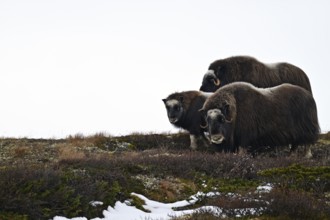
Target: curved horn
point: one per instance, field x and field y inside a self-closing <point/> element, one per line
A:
<point x="216" y="82"/>
<point x="203" y="126"/>
<point x="229" y="121"/>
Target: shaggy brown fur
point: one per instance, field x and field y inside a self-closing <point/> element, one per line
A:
<point x="248" y="69"/>
<point x="255" y="117"/>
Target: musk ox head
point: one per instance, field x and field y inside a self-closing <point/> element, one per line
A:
<point x="174" y="108"/>
<point x="210" y="82"/>
<point x="219" y="121"/>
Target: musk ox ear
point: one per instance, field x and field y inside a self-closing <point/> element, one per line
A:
<point x="219" y="69"/>
<point x="164" y="100"/>
<point x="225" y="109"/>
<point x="202" y="113"/>
<point x="203" y="124"/>
<point x="226" y="112"/>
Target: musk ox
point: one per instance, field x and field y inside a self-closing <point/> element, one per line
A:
<point x="248" y="69"/>
<point x="242" y="115"/>
<point x="183" y="112"/>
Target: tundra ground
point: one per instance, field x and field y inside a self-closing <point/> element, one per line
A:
<point x="44" y="178"/>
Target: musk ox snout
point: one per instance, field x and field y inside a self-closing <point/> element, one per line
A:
<point x="173" y="119"/>
<point x="217" y="139"/>
<point x="216" y="125"/>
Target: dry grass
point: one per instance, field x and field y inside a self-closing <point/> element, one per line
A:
<point x="70" y="153"/>
<point x="20" y="152"/>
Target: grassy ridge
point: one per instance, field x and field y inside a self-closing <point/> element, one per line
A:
<point x="44" y="178"/>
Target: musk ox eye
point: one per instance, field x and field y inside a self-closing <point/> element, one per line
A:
<point x="221" y="119"/>
<point x="210" y="79"/>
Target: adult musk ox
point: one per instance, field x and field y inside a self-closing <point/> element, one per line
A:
<point x="183" y="112"/>
<point x="242" y="115"/>
<point x="248" y="69"/>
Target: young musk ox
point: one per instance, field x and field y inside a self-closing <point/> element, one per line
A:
<point x="183" y="112"/>
<point x="248" y="69"/>
<point x="241" y="115"/>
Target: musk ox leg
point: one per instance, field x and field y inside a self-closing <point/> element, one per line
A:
<point x="293" y="148"/>
<point x="240" y="151"/>
<point x="193" y="142"/>
<point x="308" y="151"/>
<point x="206" y="137"/>
<point x="205" y="142"/>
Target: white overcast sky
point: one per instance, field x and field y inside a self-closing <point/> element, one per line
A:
<point x="78" y="66"/>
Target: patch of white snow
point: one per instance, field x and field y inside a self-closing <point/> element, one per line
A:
<point x="265" y="188"/>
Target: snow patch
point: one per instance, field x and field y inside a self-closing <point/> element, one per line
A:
<point x="63" y="218"/>
<point x="165" y="211"/>
<point x="95" y="203"/>
<point x="265" y="188"/>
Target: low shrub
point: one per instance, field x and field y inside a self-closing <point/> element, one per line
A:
<point x="296" y="204"/>
<point x="295" y="176"/>
<point x="42" y="193"/>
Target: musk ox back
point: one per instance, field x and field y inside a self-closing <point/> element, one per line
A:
<point x="240" y="114"/>
<point x="248" y="69"/>
<point x="182" y="111"/>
